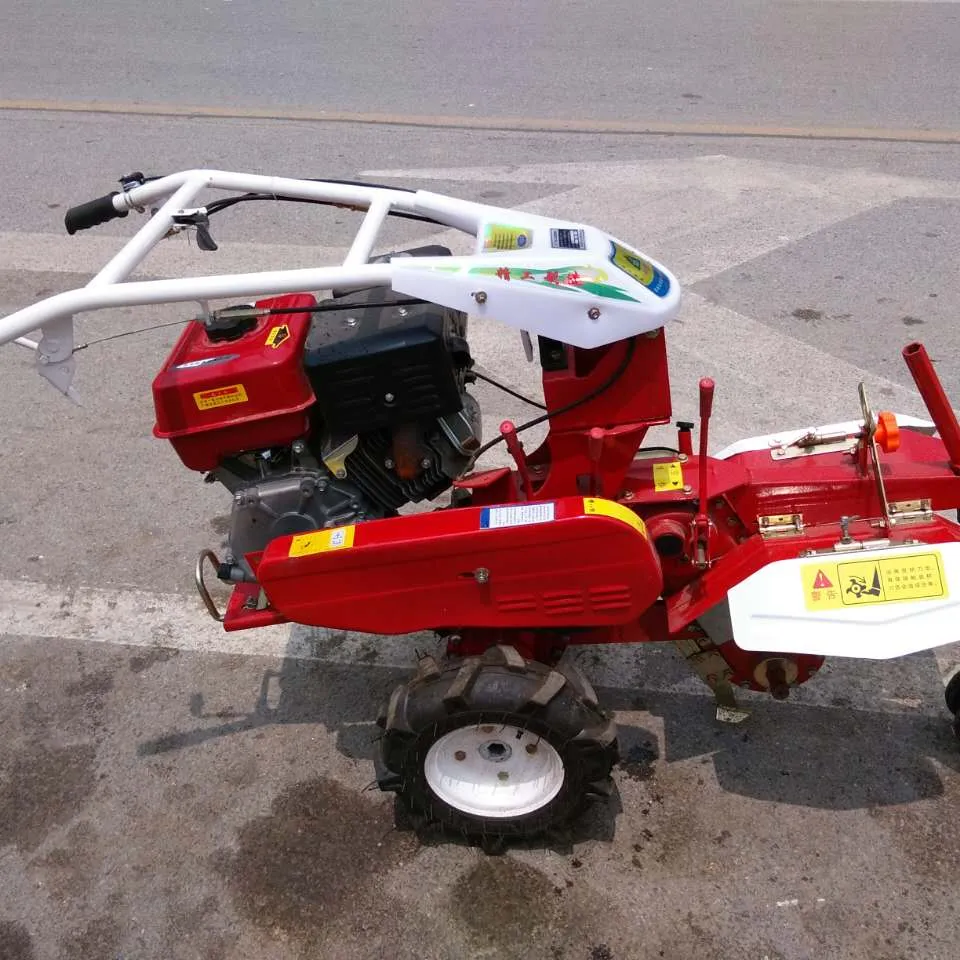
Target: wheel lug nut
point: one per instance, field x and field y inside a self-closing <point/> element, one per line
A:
<point x="531" y="748"/>
<point x="503" y="775"/>
<point x="460" y="755"/>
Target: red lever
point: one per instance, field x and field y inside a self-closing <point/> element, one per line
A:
<point x="595" y="444"/>
<point x="509" y="433"/>
<point x="938" y="404"/>
<point x="701" y="525"/>
<point x="706" y="402"/>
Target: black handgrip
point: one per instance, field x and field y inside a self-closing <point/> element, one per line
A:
<point x="89" y="214"/>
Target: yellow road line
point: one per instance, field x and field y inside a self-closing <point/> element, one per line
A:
<point x="519" y="124"/>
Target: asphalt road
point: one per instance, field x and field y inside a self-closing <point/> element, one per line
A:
<point x="170" y="792"/>
<point x="759" y="61"/>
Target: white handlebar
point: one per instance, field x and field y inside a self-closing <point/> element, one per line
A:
<point x="565" y="280"/>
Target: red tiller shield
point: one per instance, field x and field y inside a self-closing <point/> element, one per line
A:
<point x="571" y="562"/>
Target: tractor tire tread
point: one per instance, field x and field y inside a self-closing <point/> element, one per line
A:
<point x="579" y="680"/>
<point x="462" y="682"/>
<point x="507" y="656"/>
<point x="951" y="693"/>
<point x="553" y="683"/>
<point x="427" y="668"/>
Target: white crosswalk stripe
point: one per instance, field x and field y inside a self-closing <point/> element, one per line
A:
<point x="142" y="618"/>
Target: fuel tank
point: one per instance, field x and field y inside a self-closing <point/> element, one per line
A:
<point x="242" y="389"/>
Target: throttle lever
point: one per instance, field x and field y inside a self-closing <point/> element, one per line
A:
<point x="200" y="220"/>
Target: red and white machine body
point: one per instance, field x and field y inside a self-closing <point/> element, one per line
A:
<point x="757" y="562"/>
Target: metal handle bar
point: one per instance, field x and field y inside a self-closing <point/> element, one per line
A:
<point x="178" y="191"/>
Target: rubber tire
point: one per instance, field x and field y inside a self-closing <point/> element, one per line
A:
<point x="951" y="694"/>
<point x="558" y="703"/>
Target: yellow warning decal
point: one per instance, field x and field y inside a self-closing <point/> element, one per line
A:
<point x="610" y="508"/>
<point x="633" y="265"/>
<point x="278" y="335"/>
<point x="835" y="586"/>
<point x="667" y="476"/>
<point x="221" y="397"/>
<point x="320" y="541"/>
<point x="496" y="236"/>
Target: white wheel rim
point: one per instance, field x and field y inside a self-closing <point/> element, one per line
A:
<point x="494" y="770"/>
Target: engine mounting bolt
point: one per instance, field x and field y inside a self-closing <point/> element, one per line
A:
<point x="388" y="398"/>
<point x="389" y="464"/>
<point x="481" y="575"/>
<point x="299" y="446"/>
<point x="480" y="296"/>
<point x="426" y="463"/>
<point x="340" y="473"/>
<point x="594" y="313"/>
<point x="682" y="457"/>
<point x="687" y="488"/>
<point x="460" y="755"/>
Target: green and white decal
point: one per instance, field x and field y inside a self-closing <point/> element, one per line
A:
<point x="576" y="279"/>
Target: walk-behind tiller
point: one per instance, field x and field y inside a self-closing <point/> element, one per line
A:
<point x="324" y="418"/>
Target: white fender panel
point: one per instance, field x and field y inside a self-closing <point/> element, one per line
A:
<point x="871" y="605"/>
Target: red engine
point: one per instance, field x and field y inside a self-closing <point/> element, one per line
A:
<point x="317" y="415"/>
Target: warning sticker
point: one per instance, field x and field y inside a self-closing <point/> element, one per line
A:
<point x="566" y="239"/>
<point x="492" y="518"/>
<point x="496" y="236"/>
<point x="221" y="397"/>
<point x="834" y="586"/>
<point x="278" y="335"/>
<point x="822" y="582"/>
<point x="610" y="508"/>
<point x="320" y="541"/>
<point x="667" y="476"/>
<point x="633" y="265"/>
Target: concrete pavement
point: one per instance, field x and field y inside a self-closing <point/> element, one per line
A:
<point x="168" y="792"/>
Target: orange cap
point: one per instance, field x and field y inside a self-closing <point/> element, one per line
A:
<point x="887" y="433"/>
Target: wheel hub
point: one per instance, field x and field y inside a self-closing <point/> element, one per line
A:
<point x="494" y="771"/>
<point x="496" y="751"/>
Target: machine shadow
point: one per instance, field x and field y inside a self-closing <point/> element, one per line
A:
<point x="814" y="756"/>
<point x="823" y="757"/>
<point x="344" y="699"/>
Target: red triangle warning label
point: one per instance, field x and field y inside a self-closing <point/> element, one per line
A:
<point x="822" y="582"/>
